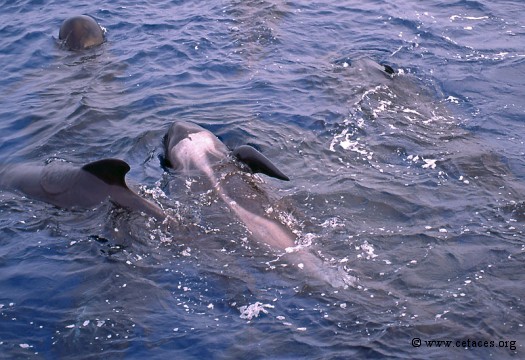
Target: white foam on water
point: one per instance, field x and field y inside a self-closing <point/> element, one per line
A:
<point x="248" y="312"/>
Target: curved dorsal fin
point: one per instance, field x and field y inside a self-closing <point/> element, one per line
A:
<point x="257" y="162"/>
<point x="111" y="171"/>
<point x="389" y="69"/>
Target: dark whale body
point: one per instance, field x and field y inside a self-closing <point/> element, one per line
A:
<point x="67" y="186"/>
<point x="81" y="32"/>
<point x="190" y="148"/>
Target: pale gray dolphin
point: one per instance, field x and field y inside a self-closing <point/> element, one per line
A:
<point x="190" y="148"/>
<point x="81" y="32"/>
<point x="67" y="186"/>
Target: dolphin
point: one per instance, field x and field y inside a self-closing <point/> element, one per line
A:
<point x="81" y="32"/>
<point x="190" y="148"/>
<point x="68" y="186"/>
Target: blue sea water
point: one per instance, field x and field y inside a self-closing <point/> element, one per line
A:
<point x="412" y="183"/>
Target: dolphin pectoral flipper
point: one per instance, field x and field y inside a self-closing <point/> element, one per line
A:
<point x="257" y="162"/>
<point x="111" y="171"/>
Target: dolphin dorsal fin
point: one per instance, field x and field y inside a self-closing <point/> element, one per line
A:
<point x="111" y="171"/>
<point x="257" y="162"/>
<point x="389" y="69"/>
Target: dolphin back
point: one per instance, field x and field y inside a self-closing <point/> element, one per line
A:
<point x="65" y="185"/>
<point x="51" y="183"/>
<point x="24" y="178"/>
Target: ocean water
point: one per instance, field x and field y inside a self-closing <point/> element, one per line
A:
<point x="413" y="182"/>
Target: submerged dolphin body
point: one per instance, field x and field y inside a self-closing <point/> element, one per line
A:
<point x="81" y="32"/>
<point x="67" y="186"/>
<point x="191" y="148"/>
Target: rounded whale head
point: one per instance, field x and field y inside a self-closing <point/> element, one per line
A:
<point x="81" y="32"/>
<point x="189" y="146"/>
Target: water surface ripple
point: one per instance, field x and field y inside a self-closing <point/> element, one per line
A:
<point x="413" y="183"/>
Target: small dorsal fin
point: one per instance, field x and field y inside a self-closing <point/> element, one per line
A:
<point x="257" y="162"/>
<point x="111" y="171"/>
<point x="389" y="69"/>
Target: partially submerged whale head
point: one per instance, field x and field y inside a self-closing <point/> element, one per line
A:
<point x="189" y="146"/>
<point x="67" y="186"/>
<point x="81" y="32"/>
